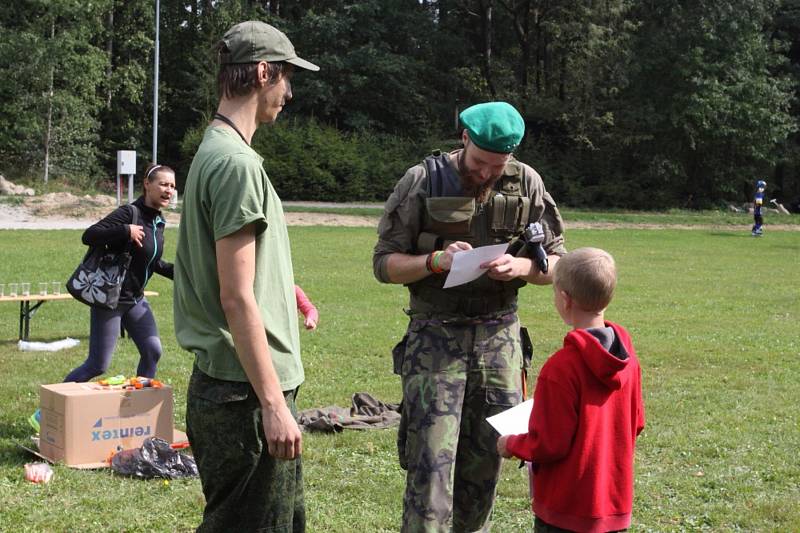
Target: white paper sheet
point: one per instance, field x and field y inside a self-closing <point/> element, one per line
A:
<point x="513" y="421"/>
<point x="466" y="264"/>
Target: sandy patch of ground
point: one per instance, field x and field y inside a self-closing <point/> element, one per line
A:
<point x="69" y="205"/>
<point x="67" y="211"/>
<point x="60" y="210"/>
<point x="330" y="219"/>
<point x="63" y="205"/>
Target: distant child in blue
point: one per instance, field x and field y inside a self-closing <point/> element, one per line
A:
<point x="758" y="201"/>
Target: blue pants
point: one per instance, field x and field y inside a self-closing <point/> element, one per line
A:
<point x="758" y="220"/>
<point x="140" y="324"/>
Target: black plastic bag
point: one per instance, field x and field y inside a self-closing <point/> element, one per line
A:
<point x="154" y="459"/>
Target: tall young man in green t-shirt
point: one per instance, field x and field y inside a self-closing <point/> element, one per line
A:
<point x="234" y="300"/>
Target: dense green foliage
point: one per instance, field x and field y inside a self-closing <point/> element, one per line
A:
<point x="714" y="315"/>
<point x="308" y="160"/>
<point x="628" y="103"/>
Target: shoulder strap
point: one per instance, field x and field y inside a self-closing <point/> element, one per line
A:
<point x="442" y="181"/>
<point x="134" y="214"/>
<point x="134" y="222"/>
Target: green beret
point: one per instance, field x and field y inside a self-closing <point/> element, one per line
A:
<point x="494" y="126"/>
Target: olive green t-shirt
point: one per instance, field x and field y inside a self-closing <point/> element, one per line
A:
<point x="226" y="189"/>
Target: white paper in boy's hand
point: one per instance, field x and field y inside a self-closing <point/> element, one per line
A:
<point x="466" y="263"/>
<point x="513" y="421"/>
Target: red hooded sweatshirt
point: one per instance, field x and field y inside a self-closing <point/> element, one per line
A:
<point x="587" y="413"/>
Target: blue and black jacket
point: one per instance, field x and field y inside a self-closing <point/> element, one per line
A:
<point x="112" y="231"/>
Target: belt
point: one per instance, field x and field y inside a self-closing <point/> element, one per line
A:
<point x="466" y="321"/>
<point x="435" y="302"/>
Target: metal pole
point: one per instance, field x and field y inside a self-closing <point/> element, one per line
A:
<point x="155" y="88"/>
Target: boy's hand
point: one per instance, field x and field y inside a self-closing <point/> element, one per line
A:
<point x="501" y="447"/>
<point x="311" y="320"/>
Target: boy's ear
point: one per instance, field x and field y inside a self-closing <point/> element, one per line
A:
<point x="567" y="300"/>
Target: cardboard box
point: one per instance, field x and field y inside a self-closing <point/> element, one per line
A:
<point x="83" y="423"/>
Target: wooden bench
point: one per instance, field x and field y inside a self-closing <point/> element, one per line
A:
<point x="26" y="310"/>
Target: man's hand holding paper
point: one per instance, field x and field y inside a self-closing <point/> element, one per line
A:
<point x="507" y="267"/>
<point x="467" y="263"/>
<point x="451" y="251"/>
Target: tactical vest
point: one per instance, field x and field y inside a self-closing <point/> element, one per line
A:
<point x="449" y="216"/>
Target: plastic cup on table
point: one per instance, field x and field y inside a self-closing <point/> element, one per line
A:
<point x="55" y="287"/>
<point x="2" y="289"/>
<point x="43" y="288"/>
<point x="26" y="288"/>
<point x="12" y="289"/>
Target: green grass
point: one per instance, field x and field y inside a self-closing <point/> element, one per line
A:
<point x="671" y="217"/>
<point x="345" y="209"/>
<point x="675" y="217"/>
<point x="714" y="315"/>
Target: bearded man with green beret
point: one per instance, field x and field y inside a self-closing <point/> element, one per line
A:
<point x="462" y="358"/>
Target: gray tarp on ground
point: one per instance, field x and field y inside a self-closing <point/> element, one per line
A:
<point x="366" y="413"/>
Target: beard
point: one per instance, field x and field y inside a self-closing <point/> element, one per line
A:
<point x="472" y="184"/>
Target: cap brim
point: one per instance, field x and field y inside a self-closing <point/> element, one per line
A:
<point x="302" y="63"/>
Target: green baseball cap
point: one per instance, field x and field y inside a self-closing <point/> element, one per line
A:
<point x="254" y="41"/>
<point x="494" y="126"/>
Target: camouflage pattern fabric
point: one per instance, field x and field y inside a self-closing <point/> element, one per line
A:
<point x="454" y="375"/>
<point x="246" y="489"/>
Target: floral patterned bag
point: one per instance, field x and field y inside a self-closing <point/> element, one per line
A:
<point x="97" y="281"/>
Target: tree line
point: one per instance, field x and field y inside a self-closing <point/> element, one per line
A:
<point x="627" y="103"/>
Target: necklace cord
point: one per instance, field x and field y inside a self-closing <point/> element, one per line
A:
<point x="229" y="122"/>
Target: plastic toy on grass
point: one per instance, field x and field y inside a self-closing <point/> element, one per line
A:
<point x="138" y="382"/>
<point x="38" y="472"/>
<point x="114" y="380"/>
<point x="35" y="419"/>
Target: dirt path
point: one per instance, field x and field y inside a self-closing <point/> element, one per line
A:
<point x="67" y="211"/>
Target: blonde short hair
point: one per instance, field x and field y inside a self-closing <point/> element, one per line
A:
<point x="588" y="276"/>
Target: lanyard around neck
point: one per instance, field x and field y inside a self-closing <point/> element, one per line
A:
<point x="229" y="122"/>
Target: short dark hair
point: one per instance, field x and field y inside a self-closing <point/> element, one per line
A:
<point x="240" y="79"/>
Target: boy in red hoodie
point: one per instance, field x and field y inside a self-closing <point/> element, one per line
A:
<point x="587" y="408"/>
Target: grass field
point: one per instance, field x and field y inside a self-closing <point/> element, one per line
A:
<point x="714" y="316"/>
<point x="671" y="217"/>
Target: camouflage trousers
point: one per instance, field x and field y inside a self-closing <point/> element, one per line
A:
<point x="246" y="489"/>
<point x="454" y="375"/>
